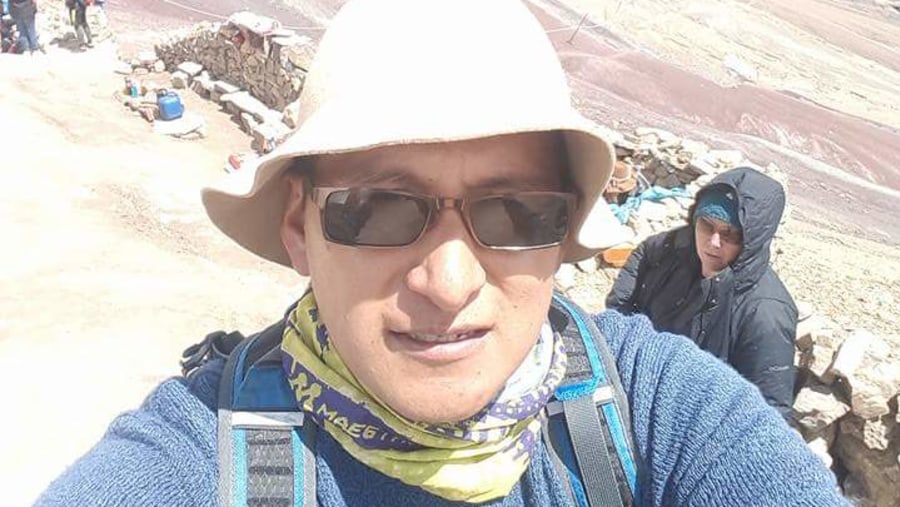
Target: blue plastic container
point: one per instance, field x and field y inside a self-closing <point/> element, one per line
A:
<point x="170" y="106"/>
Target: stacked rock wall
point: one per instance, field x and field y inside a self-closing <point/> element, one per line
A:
<point x="252" y="52"/>
<point x="662" y="159"/>
<point x="847" y="406"/>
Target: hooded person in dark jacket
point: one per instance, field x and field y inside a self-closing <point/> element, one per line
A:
<point x="711" y="281"/>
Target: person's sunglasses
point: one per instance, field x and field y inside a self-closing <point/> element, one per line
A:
<point x="727" y="234"/>
<point x="373" y="217"/>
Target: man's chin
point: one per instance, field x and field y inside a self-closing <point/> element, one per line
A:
<point x="434" y="410"/>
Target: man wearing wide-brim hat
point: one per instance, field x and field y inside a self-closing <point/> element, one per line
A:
<point x="438" y="178"/>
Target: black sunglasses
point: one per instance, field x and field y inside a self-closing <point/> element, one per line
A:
<point x="374" y="217"/>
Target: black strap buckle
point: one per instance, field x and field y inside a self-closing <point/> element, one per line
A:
<point x="218" y="344"/>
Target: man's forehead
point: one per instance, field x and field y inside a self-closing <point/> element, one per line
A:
<point x="531" y="160"/>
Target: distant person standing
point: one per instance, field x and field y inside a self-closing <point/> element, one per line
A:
<point x="24" y="13"/>
<point x="711" y="281"/>
<point x="78" y="17"/>
<point x="102" y="20"/>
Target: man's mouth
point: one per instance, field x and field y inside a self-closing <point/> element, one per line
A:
<point x="445" y="337"/>
<point x="440" y="348"/>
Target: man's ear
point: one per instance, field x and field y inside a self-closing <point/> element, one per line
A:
<point x="293" y="227"/>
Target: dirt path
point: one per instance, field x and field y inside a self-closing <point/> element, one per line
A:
<point x="109" y="267"/>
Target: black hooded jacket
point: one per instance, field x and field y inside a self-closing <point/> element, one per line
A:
<point x="744" y="315"/>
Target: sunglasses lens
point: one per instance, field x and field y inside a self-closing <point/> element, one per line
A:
<point x="367" y="217"/>
<point x="526" y="220"/>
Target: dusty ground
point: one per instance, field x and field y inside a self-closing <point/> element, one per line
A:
<point x="113" y="269"/>
<point x="109" y="268"/>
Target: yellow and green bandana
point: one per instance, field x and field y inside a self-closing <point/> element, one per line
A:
<point x="475" y="460"/>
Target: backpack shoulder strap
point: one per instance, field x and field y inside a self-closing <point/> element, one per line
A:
<point x="588" y="427"/>
<point x="266" y="445"/>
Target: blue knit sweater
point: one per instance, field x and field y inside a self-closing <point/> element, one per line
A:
<point x="705" y="437"/>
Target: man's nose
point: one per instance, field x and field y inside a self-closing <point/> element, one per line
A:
<point x="715" y="239"/>
<point x="450" y="274"/>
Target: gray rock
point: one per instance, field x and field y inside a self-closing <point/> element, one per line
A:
<point x="225" y="88"/>
<point x="851" y="353"/>
<point x="875" y="380"/>
<point x="179" y="80"/>
<point x="122" y="68"/>
<point x="191" y="69"/>
<point x="817" y="407"/>
<point x="291" y="114"/>
<point x="269" y="135"/>
<point x="819" y="447"/>
<point x="243" y="102"/>
<point x="147" y="58"/>
<point x="804" y="310"/>
<point x="565" y="276"/>
<point x="588" y="265"/>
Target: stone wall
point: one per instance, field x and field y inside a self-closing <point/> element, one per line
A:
<point x="847" y="406"/>
<point x="657" y="158"/>
<point x="251" y="52"/>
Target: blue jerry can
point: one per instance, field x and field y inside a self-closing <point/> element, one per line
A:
<point x="170" y="106"/>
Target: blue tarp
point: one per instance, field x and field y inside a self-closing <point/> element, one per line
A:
<point x="654" y="193"/>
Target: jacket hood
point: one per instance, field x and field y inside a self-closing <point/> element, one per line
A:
<point x="760" y="204"/>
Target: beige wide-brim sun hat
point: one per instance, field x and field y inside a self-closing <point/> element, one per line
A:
<point x="392" y="72"/>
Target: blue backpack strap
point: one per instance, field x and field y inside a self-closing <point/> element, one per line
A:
<point x="266" y="446"/>
<point x="588" y="427"/>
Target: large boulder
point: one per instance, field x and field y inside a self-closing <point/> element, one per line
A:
<point x="816" y="407"/>
<point x="871" y="367"/>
